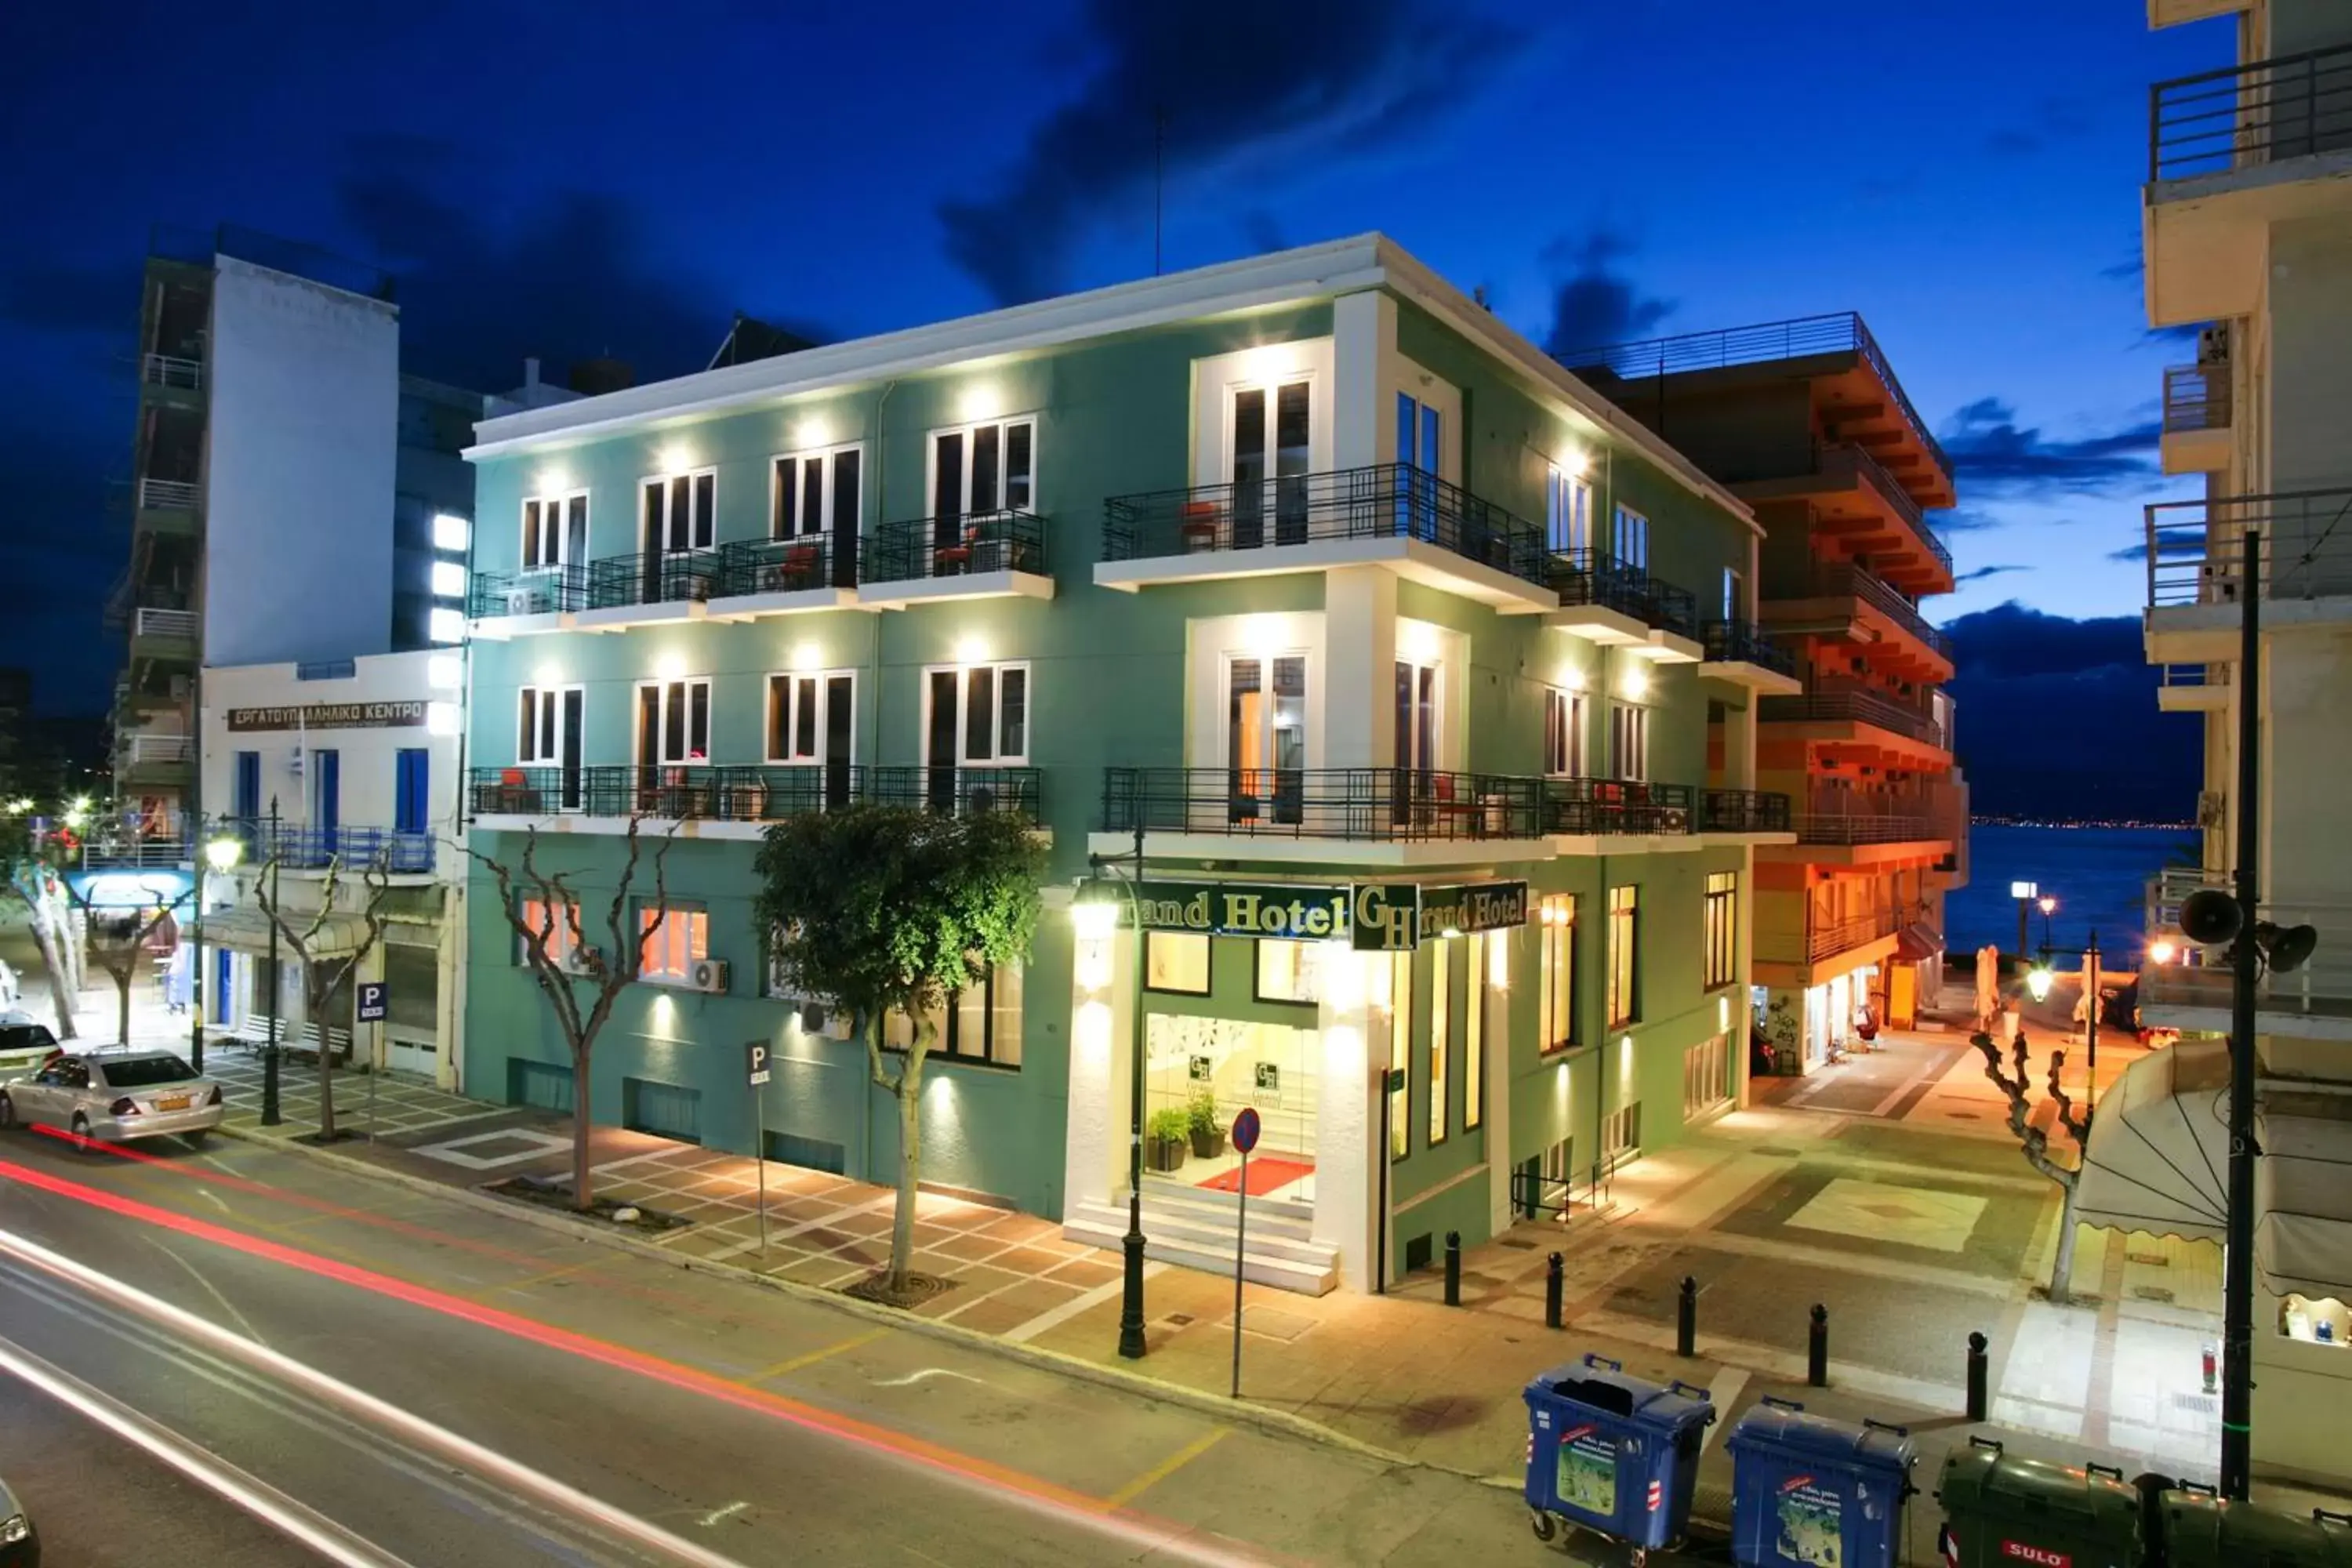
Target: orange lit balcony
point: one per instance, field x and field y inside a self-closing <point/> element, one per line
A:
<point x="1853" y="607"/>
<point x="1868" y="511"/>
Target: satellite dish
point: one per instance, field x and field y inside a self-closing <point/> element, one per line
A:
<point x="2210" y="917"/>
<point x="2288" y="948"/>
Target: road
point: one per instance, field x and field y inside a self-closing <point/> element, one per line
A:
<point x="398" y="1377"/>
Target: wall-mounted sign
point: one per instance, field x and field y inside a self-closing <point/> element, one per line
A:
<point x="1201" y="1069"/>
<point x="1370" y="917"/>
<point x="1472" y="906"/>
<point x="1270" y="1077"/>
<point x="330" y="716"/>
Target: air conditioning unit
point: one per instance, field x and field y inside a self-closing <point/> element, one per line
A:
<point x="580" y="960"/>
<point x="1674" y="819"/>
<point x="525" y="601"/>
<point x="709" y="974"/>
<point x="2213" y="344"/>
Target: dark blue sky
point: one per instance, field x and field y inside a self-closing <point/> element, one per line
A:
<point x="568" y="180"/>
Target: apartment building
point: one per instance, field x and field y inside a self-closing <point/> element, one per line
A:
<point x="1403" y="657"/>
<point x="1806" y="421"/>
<point x="278" y="444"/>
<point x="2247" y="231"/>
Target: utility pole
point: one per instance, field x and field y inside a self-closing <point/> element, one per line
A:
<point x="2237" y="1257"/>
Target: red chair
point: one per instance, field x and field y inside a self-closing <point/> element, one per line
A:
<point x="1196" y="524"/>
<point x="957" y="555"/>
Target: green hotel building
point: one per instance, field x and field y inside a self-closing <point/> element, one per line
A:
<point x="1424" y="678"/>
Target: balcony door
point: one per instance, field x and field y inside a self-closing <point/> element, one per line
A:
<point x="1272" y="425"/>
<point x="1416" y="720"/>
<point x="1421" y="462"/>
<point x="976" y="717"/>
<point x="1265" y="738"/>
<point x="812" y="724"/>
<point x="678" y="517"/>
<point x="548" y="737"/>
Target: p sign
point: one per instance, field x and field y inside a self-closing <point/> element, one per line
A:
<point x="755" y="1063"/>
<point x="372" y="997"/>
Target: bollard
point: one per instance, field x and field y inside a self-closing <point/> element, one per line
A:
<point x="1553" y="1275"/>
<point x="1817" y="1349"/>
<point x="1977" y="1362"/>
<point x="1454" y="1268"/>
<point x="1686" y="1318"/>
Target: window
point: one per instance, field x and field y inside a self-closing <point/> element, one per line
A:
<point x="1476" y="991"/>
<point x="1568" y="508"/>
<point x="554" y="531"/>
<point x="1722" y="929"/>
<point x="1420" y="434"/>
<point x="673" y="723"/>
<point x="1706" y="1075"/>
<point x="1556" y="971"/>
<point x="412" y="775"/>
<point x="1264" y="730"/>
<point x="1441" y="1033"/>
<point x="815" y="492"/>
<point x="248" y="797"/>
<point x="1176" y="963"/>
<point x="679" y="512"/>
<point x="1734" y="601"/>
<point x="811" y="718"/>
<point x="979" y="1023"/>
<point x="556" y="925"/>
<point x="1632" y="538"/>
<point x="1400" y="977"/>
<point x="1629" y="741"/>
<point x="667" y="953"/>
<point x="985" y="468"/>
<point x="977" y="715"/>
<point x="1559" y="1160"/>
<point x="1563" y="732"/>
<point x="1271" y="456"/>
<point x="1416" y="716"/>
<point x="1290" y="970"/>
<point x="1624" y="944"/>
<point x="1621" y="1132"/>
<point x="327" y="792"/>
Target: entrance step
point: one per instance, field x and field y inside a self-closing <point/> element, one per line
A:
<point x="1282" y="1254"/>
<point x="1272" y="1216"/>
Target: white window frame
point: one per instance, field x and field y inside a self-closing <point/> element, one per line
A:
<point x="1629" y="742"/>
<point x="1306" y="375"/>
<point x="1567" y="512"/>
<point x="687" y="923"/>
<point x="561" y="943"/>
<point x="547" y="714"/>
<point x="702" y="532"/>
<point x="999" y="758"/>
<point x="1265" y="662"/>
<point x="555" y="536"/>
<point x="784" y="755"/>
<point x="830" y="499"/>
<point x="963" y="489"/>
<point x="1569" y="709"/>
<point x="1627" y="523"/>
<point x="683" y="686"/>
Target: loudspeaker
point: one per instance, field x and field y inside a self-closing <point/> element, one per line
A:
<point x="2288" y="948"/>
<point x="2209" y="916"/>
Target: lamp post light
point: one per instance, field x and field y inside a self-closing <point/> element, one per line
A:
<point x="221" y="856"/>
<point x="1129" y="869"/>
<point x="2048" y="907"/>
<point x="2024" y="893"/>
<point x="271" y="1116"/>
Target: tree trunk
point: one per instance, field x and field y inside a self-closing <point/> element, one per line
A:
<point x="2062" y="1266"/>
<point x="61" y="995"/>
<point x="910" y="1161"/>
<point x="318" y="1010"/>
<point x="583" y="1197"/>
<point x="76" y="933"/>
<point x="122" y="1006"/>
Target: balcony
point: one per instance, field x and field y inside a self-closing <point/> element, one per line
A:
<point x="1739" y="653"/>
<point x="1616" y="603"/>
<point x="296" y="847"/>
<point x="1617" y="808"/>
<point x="2192" y="688"/>
<point x="1391" y="515"/>
<point x="1856" y="716"/>
<point x="167" y="506"/>
<point x="176" y="378"/>
<point x="2194" y="993"/>
<point x="163" y="635"/>
<point x="2196" y="438"/>
<point x="1743" y="811"/>
<point x="154" y="761"/>
<point x="2231" y="152"/>
<point x="1858" y="502"/>
<point x="601" y="797"/>
<point x="1396" y="817"/>
<point x="1852" y="604"/>
<point x="2197" y="568"/>
<point x="977" y="555"/>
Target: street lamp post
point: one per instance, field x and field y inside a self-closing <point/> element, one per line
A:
<point x="2048" y="907"/>
<point x="271" y="1115"/>
<point x="2037" y="981"/>
<point x="220" y="855"/>
<point x="1130" y="867"/>
<point x="2024" y="893"/>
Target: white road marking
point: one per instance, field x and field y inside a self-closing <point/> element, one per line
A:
<point x="717" y="1515"/>
<point x="913" y="1378"/>
<point x="210" y="1290"/>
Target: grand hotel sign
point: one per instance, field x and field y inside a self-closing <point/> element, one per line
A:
<point x="1372" y="917"/>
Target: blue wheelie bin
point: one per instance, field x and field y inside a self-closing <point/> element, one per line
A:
<point x="1811" y="1492"/>
<point x="1613" y="1453"/>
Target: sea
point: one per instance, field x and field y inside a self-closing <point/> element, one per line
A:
<point x="2098" y="875"/>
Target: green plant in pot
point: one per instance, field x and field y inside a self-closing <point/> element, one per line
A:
<point x="1201" y="1122"/>
<point x="1165" y="1137"/>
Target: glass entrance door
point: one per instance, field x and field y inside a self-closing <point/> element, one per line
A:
<point x="1205" y="1070"/>
<point x="1265" y="738"/>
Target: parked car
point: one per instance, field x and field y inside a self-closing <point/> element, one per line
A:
<point x="115" y="1095"/>
<point x="24" y="1045"/>
<point x="20" y="1543"/>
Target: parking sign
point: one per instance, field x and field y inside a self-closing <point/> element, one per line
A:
<point x="373" y="995"/>
<point x="755" y="1062"/>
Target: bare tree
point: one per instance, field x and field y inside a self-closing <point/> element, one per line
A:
<point x="32" y="884"/>
<point x="118" y="941"/>
<point x="543" y="908"/>
<point x="302" y="931"/>
<point x="2013" y="1083"/>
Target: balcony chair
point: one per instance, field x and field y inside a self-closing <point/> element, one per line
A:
<point x="1197" y="525"/>
<point x="953" y="560"/>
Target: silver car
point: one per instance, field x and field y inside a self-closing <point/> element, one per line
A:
<point x="117" y="1095"/>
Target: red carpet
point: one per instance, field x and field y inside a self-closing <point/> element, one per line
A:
<point x="1266" y="1172"/>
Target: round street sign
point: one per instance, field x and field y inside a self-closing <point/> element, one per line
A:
<point x="1244" y="1132"/>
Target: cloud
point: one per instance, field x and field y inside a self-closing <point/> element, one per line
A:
<point x="1990" y="454"/>
<point x="2131" y="268"/>
<point x="2132" y="554"/>
<point x="2053" y="120"/>
<point x="1963" y="520"/>
<point x="1595" y="306"/>
<point x="1314" y="79"/>
<point x="1980" y="574"/>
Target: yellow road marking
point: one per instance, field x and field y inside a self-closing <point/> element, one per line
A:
<point x="811" y="1358"/>
<point x="1165" y="1468"/>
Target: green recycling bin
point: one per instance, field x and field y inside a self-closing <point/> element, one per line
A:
<point x="2004" y="1512"/>
<point x="2203" y="1531"/>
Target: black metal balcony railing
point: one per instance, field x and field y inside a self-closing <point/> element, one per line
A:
<point x="1391" y="500"/>
<point x="300" y="846"/>
<point x="1742" y="811"/>
<point x="966" y="545"/>
<point x="2195" y="398"/>
<point x="2196" y="549"/>
<point x="798" y="565"/>
<point x="1833" y="705"/>
<point x="2288" y="107"/>
<point x="1834" y="456"/>
<point x="1744" y="642"/>
<point x="1843" y="579"/>
<point x="747" y="793"/>
<point x="1849" y="827"/>
<point x="653" y="577"/>
<point x="1367" y="805"/>
<point x="1595" y="577"/>
<point x="1842" y="331"/>
<point x="1617" y="806"/>
<point x="540" y="592"/>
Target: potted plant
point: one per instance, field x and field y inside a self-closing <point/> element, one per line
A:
<point x="1201" y="1122"/>
<point x="1165" y="1136"/>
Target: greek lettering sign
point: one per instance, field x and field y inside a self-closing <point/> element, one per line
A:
<point x="330" y="716"/>
<point x="1370" y="917"/>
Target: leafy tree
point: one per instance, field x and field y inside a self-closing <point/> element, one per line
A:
<point x="301" y="930"/>
<point x="33" y="881"/>
<point x="543" y="909"/>
<point x="879" y="909"/>
<point x="2035" y="1140"/>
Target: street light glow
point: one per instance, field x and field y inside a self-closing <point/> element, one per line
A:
<point x="223" y="853"/>
<point x="2162" y="951"/>
<point x="2048" y="904"/>
<point x="2037" y="981"/>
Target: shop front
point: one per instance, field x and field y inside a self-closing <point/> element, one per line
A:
<point x="1806" y="1025"/>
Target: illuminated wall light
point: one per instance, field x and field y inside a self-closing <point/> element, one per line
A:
<point x="807" y="655"/>
<point x="555" y="479"/>
<point x="674" y="458"/>
<point x="1265" y="633"/>
<point x="1094" y="919"/>
<point x="451" y="532"/>
<point x="441" y="718"/>
<point x="982" y="399"/>
<point x="1723" y="1015"/>
<point x="1633" y="681"/>
<point x="1571" y="678"/>
<point x="971" y="650"/>
<point x="1574" y="460"/>
<point x="815" y="431"/>
<point x="1092" y="969"/>
<point x="444" y="672"/>
<point x="1268" y="359"/>
<point x="547" y="673"/>
<point x="446" y="625"/>
<point x="1624" y="1055"/>
<point x="449" y="579"/>
<point x="670" y="666"/>
<point x="1417" y="641"/>
<point x="1343" y="1051"/>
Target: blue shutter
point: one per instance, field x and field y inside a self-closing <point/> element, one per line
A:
<point x="327" y="808"/>
<point x="409" y="790"/>
<point x="248" y="803"/>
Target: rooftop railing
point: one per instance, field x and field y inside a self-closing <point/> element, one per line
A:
<point x="177" y="624"/>
<point x="2291" y="106"/>
<point x="2196" y="549"/>
<point x="1364" y="804"/>
<point x="733" y="793"/>
<point x="965" y="545"/>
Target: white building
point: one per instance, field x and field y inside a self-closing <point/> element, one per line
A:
<point x="336" y="767"/>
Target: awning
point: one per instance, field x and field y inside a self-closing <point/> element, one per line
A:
<point x="1917" y="942"/>
<point x="2302" y="1195"/>
<point x="246" y="930"/>
<point x="2159" y="1149"/>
